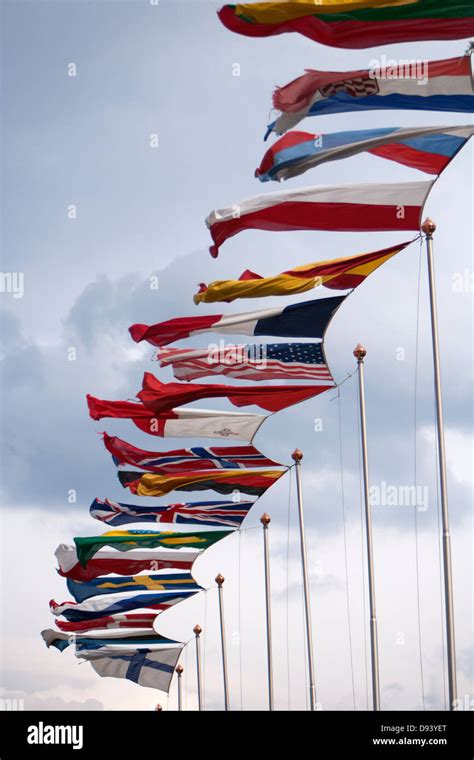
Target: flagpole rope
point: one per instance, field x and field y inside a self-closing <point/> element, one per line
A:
<point x="345" y="550"/>
<point x="288" y="678"/>
<point x="415" y="464"/>
<point x="362" y="552"/>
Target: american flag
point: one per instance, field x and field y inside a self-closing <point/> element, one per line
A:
<point x="256" y="362"/>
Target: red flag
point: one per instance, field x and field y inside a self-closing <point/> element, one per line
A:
<point x="159" y="397"/>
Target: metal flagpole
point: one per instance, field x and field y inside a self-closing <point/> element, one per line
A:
<point x="220" y="580"/>
<point x="179" y="670"/>
<point x="360" y="353"/>
<point x="265" y="520"/>
<point x="297" y="456"/>
<point x="197" y="630"/>
<point x="428" y="228"/>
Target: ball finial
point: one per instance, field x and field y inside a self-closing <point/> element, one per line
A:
<point x="360" y="352"/>
<point x="265" y="520"/>
<point x="197" y="630"/>
<point x="297" y="455"/>
<point x="179" y="669"/>
<point x="158" y="708"/>
<point x="220" y="579"/>
<point x="428" y="227"/>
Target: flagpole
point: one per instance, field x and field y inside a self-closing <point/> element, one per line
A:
<point x="179" y="670"/>
<point x="220" y="591"/>
<point x="297" y="456"/>
<point x="360" y="353"/>
<point x="428" y="228"/>
<point x="265" y="520"/>
<point x="197" y="630"/>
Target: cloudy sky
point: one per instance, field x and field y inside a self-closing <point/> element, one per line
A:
<point x="169" y="69"/>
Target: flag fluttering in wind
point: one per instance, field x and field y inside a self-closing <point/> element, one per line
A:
<point x="417" y="85"/>
<point x="354" y="23"/>
<point x="196" y="458"/>
<point x="106" y="562"/>
<point x="108" y="605"/>
<point x="180" y="422"/>
<point x="299" y="320"/>
<point x="429" y="149"/>
<point x="119" y="638"/>
<point x="339" y="274"/>
<point x="344" y="208"/>
<point x="252" y="482"/>
<point x="110" y="623"/>
<point x="126" y="540"/>
<point x="82" y="590"/>
<point x="144" y="667"/>
<point x="210" y="513"/>
<point x="159" y="397"/>
<point x="274" y="361"/>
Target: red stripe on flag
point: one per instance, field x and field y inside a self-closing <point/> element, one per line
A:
<point x="335" y="217"/>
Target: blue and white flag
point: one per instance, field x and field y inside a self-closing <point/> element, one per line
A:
<point x="142" y="666"/>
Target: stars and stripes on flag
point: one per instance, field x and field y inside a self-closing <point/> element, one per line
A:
<point x="126" y="540"/>
<point x="211" y="513"/>
<point x="82" y="590"/>
<point x="159" y="397"/>
<point x="272" y="361"/>
<point x="99" y="606"/>
<point x="345" y="208"/>
<point x="429" y="149"/>
<point x="180" y="422"/>
<point x="195" y="458"/>
<point x="353" y="23"/>
<point x="136" y="561"/>
<point x="299" y="320"/>
<point x="111" y="623"/>
<point x="445" y="85"/>
<point x="253" y="482"/>
<point x="340" y="274"/>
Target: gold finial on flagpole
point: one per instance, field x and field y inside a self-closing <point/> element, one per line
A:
<point x="265" y="520"/>
<point x="297" y="456"/>
<point x="428" y="227"/>
<point x="360" y="352"/>
<point x="219" y="579"/>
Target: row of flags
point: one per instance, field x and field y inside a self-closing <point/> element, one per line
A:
<point x="122" y="580"/>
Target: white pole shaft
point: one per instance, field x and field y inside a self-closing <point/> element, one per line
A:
<point x="447" y="564"/>
<point x="374" y="652"/>
<point x="268" y="616"/>
<point x="220" y="592"/>
<point x="307" y="600"/>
